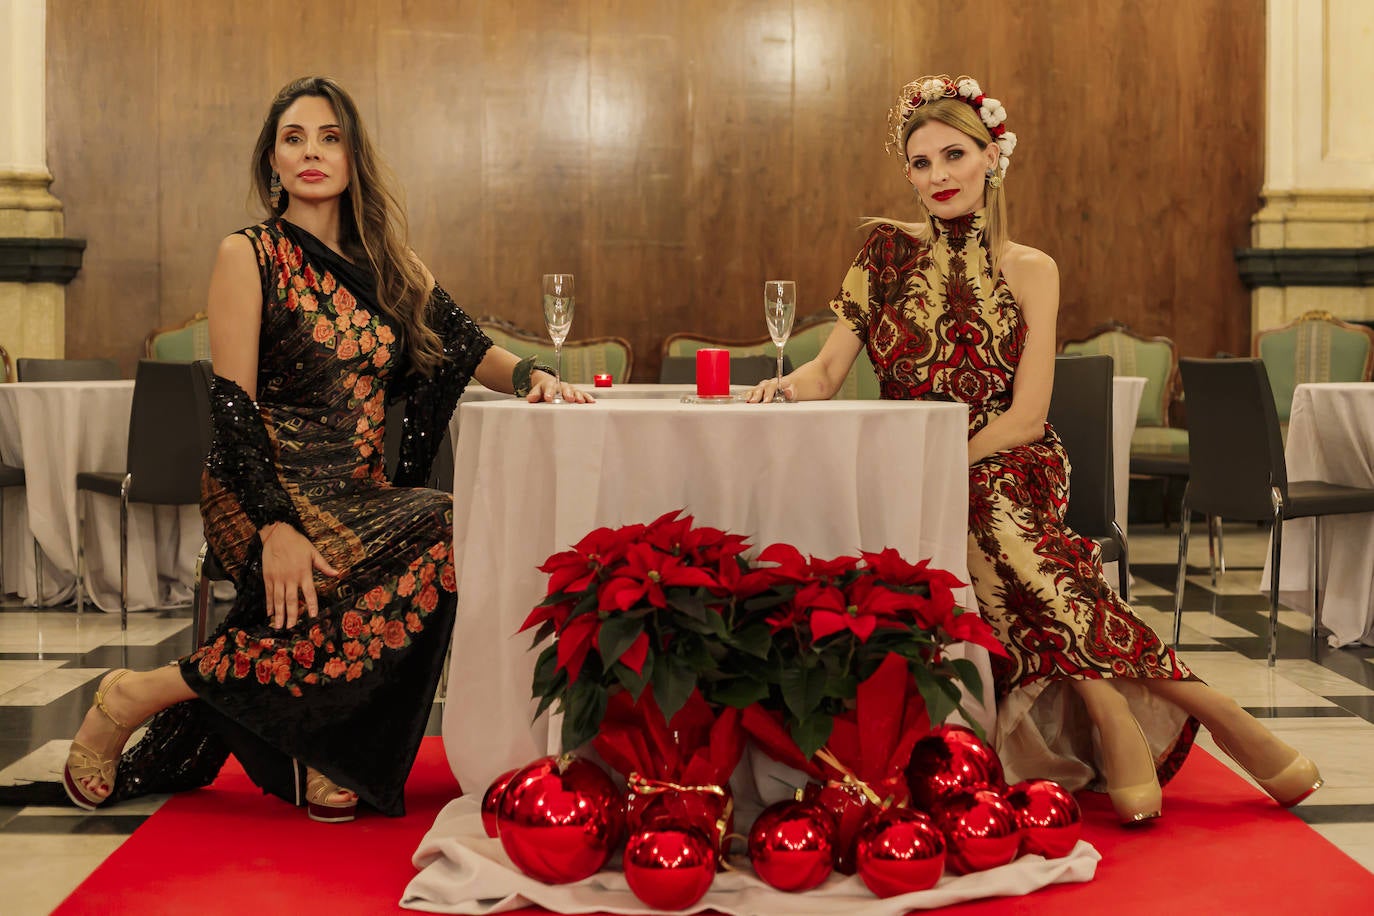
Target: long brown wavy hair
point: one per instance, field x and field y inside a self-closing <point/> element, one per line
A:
<point x="372" y="224"/>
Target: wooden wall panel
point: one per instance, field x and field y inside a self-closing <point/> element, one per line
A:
<point x="672" y="155"/>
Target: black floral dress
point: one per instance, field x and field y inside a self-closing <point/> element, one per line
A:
<point x="347" y="692"/>
<point x="938" y="327"/>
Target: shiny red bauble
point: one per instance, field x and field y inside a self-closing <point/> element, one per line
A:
<point x="560" y="819"/>
<point x="981" y="830"/>
<point x="708" y="812"/>
<point x="670" y="867"/>
<point x="491" y="798"/>
<point x="792" y="845"/>
<point x="899" y="851"/>
<point x="850" y="808"/>
<point x="951" y="759"/>
<point x="1050" y="819"/>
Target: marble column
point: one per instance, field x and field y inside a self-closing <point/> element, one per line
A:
<point x="36" y="261"/>
<point x="1313" y="236"/>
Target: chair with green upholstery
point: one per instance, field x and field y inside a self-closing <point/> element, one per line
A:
<point x="180" y="343"/>
<point x="1317" y="347"/>
<point x="582" y="359"/>
<point x="808" y="336"/>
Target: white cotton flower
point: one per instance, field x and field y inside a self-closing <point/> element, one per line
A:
<point x="1004" y="162"/>
<point x="969" y="88"/>
<point x="992" y="112"/>
<point x="932" y="89"/>
<point x="1007" y="143"/>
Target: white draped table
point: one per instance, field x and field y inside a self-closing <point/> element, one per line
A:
<point x="54" y="430"/>
<point x="1331" y="438"/>
<point x="830" y="478"/>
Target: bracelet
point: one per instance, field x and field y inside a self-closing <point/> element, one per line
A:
<point x="520" y="375"/>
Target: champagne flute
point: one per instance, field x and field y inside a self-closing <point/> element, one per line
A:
<point x="779" y="307"/>
<point x="558" y="316"/>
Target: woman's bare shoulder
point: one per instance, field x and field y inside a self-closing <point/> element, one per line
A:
<point x="1023" y="259"/>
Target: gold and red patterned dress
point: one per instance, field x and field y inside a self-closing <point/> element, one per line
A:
<point x="937" y="327"/>
<point x="348" y="692"/>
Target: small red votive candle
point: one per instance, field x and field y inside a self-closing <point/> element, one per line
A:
<point x="713" y="373"/>
<point x="602" y="380"/>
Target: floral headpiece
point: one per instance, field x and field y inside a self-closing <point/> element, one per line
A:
<point x="965" y="88"/>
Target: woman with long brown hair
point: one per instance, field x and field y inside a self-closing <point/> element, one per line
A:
<point x="321" y="677"/>
<point x="949" y="308"/>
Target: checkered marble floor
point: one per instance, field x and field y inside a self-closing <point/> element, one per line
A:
<point x="51" y="661"/>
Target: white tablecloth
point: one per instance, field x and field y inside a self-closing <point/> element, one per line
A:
<point x="53" y="430"/>
<point x="828" y="477"/>
<point x="1331" y="438"/>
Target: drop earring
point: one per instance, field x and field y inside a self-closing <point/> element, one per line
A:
<point x="274" y="190"/>
<point x="994" y="179"/>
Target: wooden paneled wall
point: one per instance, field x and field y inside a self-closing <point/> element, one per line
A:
<point x="673" y="154"/>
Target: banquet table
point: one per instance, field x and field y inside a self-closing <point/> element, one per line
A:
<point x="55" y="430"/>
<point x="829" y="477"/>
<point x="1331" y="438"/>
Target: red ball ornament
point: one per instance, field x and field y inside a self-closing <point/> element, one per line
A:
<point x="1050" y="819"/>
<point x="560" y="819"/>
<point x="951" y="759"/>
<point x="792" y="845"/>
<point x="898" y="851"/>
<point x="491" y="798"/>
<point x="980" y="828"/>
<point x="668" y="867"/>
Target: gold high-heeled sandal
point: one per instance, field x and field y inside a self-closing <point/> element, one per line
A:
<point x="1299" y="779"/>
<point x="84" y="762"/>
<point x="318" y="788"/>
<point x="1137" y="804"/>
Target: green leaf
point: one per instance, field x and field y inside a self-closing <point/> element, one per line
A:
<point x="546" y="672"/>
<point x="740" y="692"/>
<point x="673" y="683"/>
<point x="968" y="674"/>
<point x="546" y="629"/>
<point x="617" y="634"/>
<point x="634" y="683"/>
<point x="755" y="640"/>
<point x="939" y="703"/>
<point x="690" y="604"/>
<point x="812" y="733"/>
<point x="802" y="690"/>
<point x="586" y="707"/>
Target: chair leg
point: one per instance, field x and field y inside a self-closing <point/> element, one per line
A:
<point x="38" y="575"/>
<point x="80" y="552"/>
<point x="1212" y="548"/>
<point x="1184" y="523"/>
<point x="201" y="624"/>
<point x="1316" y="583"/>
<point x="124" y="552"/>
<point x="1221" y="548"/>
<point x="1275" y="556"/>
<point x="1123" y="564"/>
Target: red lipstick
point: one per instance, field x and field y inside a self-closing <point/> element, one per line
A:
<point x="943" y="196"/>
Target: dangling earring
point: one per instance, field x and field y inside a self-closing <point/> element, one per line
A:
<point x="274" y="190"/>
<point x="994" y="179"/>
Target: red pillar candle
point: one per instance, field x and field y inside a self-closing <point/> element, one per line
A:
<point x="602" y="380"/>
<point x="713" y="373"/>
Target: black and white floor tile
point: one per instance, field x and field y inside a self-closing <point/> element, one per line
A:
<point x="51" y="661"/>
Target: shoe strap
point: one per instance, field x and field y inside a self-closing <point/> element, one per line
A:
<point x="100" y="699"/>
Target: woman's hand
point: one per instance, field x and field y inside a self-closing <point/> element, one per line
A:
<point x="765" y="391"/>
<point x="288" y="558"/>
<point x="543" y="386"/>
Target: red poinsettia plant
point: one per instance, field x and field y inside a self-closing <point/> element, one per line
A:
<point x="632" y="606"/>
<point x="829" y="625"/>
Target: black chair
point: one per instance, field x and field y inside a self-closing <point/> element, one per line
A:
<point x="744" y="370"/>
<point x="1239" y="472"/>
<point x="167" y="445"/>
<point x="68" y="370"/>
<point x="208" y="570"/>
<point x="1081" y="413"/>
<point x="14" y="477"/>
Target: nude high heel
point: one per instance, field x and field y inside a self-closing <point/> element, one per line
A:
<point x="1136" y="805"/>
<point x="1299" y="779"/>
<point x="318" y="788"/>
<point x="84" y="762"/>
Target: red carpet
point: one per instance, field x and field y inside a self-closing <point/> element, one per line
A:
<point x="1221" y="848"/>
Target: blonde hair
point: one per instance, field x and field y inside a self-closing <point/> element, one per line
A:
<point x="372" y="223"/>
<point x="962" y="117"/>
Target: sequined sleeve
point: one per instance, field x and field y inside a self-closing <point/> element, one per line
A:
<point x="430" y="402"/>
<point x="241" y="456"/>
